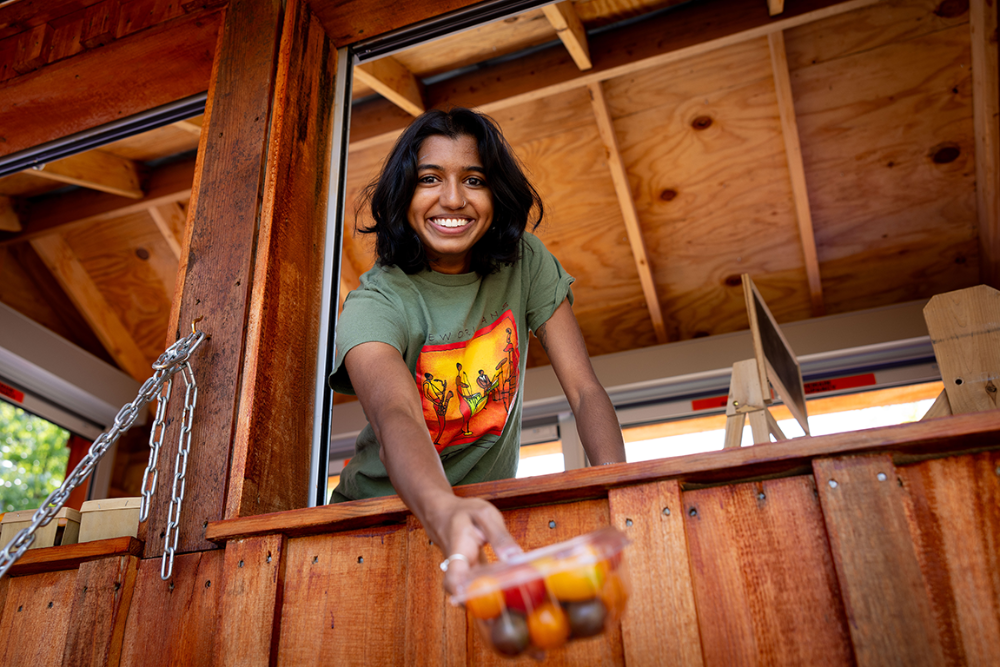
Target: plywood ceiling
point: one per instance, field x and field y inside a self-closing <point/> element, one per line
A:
<point x="834" y="160"/>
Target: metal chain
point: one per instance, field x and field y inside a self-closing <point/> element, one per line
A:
<point x="180" y="470"/>
<point x="170" y="362"/>
<point x="155" y="440"/>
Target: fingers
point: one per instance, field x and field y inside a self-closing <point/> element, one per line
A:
<point x="474" y="523"/>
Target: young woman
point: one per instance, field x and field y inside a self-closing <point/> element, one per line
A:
<point x="457" y="286"/>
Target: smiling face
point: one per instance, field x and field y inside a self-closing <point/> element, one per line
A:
<point x="452" y="206"/>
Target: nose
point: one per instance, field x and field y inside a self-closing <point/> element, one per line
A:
<point x="451" y="195"/>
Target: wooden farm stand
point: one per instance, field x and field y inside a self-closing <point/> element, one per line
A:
<point x="873" y="548"/>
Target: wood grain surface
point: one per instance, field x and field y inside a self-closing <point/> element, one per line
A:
<point x="279" y="366"/>
<point x="251" y="600"/>
<point x="954" y="505"/>
<point x="70" y="557"/>
<point x="176" y="622"/>
<point x="660" y="625"/>
<point x="35" y="619"/>
<point x="344" y="603"/>
<point x="885" y="597"/>
<point x="145" y="70"/>
<point x="218" y="267"/>
<point x="907" y="442"/>
<point x="436" y="630"/>
<point x="102" y="596"/>
<point x="764" y="580"/>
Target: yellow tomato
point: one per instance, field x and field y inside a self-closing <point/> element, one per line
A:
<point x="548" y="626"/>
<point x="483" y="602"/>
<point x="576" y="584"/>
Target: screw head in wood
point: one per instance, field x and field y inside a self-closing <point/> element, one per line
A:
<point x="880" y="476"/>
<point x="833" y="484"/>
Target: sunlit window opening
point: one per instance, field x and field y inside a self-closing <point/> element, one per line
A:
<point x="33" y="458"/>
<point x="834" y="414"/>
<point x="541" y="459"/>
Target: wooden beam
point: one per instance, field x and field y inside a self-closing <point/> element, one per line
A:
<point x="629" y="214"/>
<point x="192" y="125"/>
<point x="95" y="170"/>
<point x="350" y="22"/>
<point x="986" y="116"/>
<point x="50" y="215"/>
<point x="73" y="278"/>
<point x="170" y="219"/>
<point x="390" y="79"/>
<point x="137" y="73"/>
<point x="689" y="30"/>
<point x="9" y="220"/>
<point x="796" y="169"/>
<point x="216" y="271"/>
<point x="278" y="387"/>
<point x="775" y="7"/>
<point x="567" y="25"/>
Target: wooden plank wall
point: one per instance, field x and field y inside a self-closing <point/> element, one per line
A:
<point x="888" y="566"/>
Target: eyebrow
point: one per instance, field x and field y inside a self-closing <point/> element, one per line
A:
<point x="440" y="168"/>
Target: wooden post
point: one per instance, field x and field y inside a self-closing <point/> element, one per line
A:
<point x="746" y="400"/>
<point x="216" y="269"/>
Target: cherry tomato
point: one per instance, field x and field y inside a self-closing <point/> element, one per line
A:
<point x="483" y="602"/>
<point x="509" y="634"/>
<point x="586" y="619"/>
<point x="576" y="584"/>
<point x="525" y="597"/>
<point x="614" y="594"/>
<point x="548" y="626"/>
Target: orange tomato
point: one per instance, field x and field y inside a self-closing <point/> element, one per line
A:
<point x="548" y="626"/>
<point x="483" y="602"/>
<point x="576" y="584"/>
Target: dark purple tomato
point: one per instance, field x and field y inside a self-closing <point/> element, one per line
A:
<point x="509" y="634"/>
<point x="586" y="619"/>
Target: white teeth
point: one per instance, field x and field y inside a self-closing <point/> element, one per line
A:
<point x="451" y="222"/>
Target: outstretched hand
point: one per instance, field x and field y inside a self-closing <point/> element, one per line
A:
<point x="465" y="525"/>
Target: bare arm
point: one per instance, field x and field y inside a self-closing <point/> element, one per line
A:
<point x="595" y="415"/>
<point x="391" y="402"/>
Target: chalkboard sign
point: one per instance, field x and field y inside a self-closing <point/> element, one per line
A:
<point x="776" y="363"/>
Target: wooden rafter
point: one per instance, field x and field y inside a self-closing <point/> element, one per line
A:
<point x="986" y="115"/>
<point x="566" y="22"/>
<point x="629" y="214"/>
<point x="192" y="125"/>
<point x="168" y="184"/>
<point x="95" y="170"/>
<point x="390" y="79"/>
<point x="69" y="272"/>
<point x="9" y="220"/>
<point x="796" y="169"/>
<point x="690" y="30"/>
<point x="775" y="7"/>
<point x="170" y="220"/>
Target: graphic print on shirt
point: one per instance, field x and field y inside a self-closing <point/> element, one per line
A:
<point x="467" y="388"/>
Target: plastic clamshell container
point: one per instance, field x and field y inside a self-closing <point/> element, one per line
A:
<point x="64" y="528"/>
<point x="110" y="517"/>
<point x="540" y="600"/>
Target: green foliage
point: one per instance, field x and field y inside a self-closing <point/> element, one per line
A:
<point x="33" y="458"/>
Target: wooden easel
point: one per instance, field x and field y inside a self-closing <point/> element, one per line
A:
<point x="965" y="331"/>
<point x="775" y="364"/>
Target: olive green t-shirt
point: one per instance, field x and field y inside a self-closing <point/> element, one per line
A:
<point x="465" y="340"/>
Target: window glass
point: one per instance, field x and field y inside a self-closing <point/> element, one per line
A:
<point x="33" y="458"/>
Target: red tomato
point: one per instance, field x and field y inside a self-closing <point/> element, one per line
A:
<point x="527" y="596"/>
<point x="548" y="626"/>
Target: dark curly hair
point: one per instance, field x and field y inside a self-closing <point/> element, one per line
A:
<point x="390" y="193"/>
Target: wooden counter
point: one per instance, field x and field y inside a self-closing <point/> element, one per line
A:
<point x="872" y="548"/>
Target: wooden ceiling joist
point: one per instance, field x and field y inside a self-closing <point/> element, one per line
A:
<point x="168" y="184"/>
<point x="796" y="169"/>
<point x="390" y="79"/>
<point x="9" y="220"/>
<point x="775" y="7"/>
<point x="192" y="125"/>
<point x="95" y="170"/>
<point x="170" y="220"/>
<point x="629" y="213"/>
<point x="688" y="31"/>
<point x="566" y="22"/>
<point x="986" y="118"/>
<point x="77" y="284"/>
